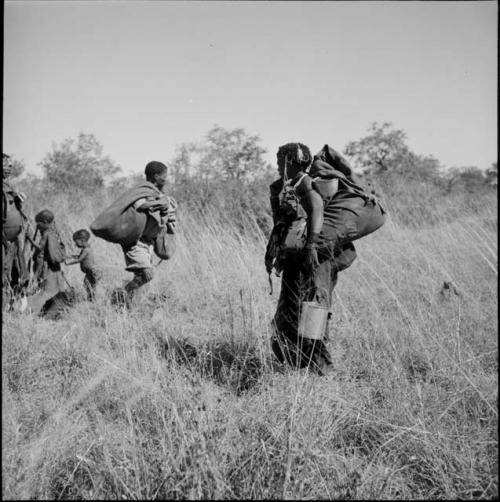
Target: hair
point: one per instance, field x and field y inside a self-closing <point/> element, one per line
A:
<point x="154" y="167"/>
<point x="44" y="216"/>
<point x="5" y="156"/>
<point x="82" y="234"/>
<point x="297" y="153"/>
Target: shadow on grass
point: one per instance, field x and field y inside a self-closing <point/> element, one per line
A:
<point x="237" y="366"/>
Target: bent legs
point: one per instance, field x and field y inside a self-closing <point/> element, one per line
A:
<point x="141" y="277"/>
<point x="138" y="259"/>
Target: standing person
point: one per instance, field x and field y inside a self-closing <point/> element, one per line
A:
<point x="49" y="254"/>
<point x="87" y="261"/>
<point x="309" y="275"/>
<point x="14" y="228"/>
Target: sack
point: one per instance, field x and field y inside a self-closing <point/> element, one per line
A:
<point x="121" y="223"/>
<point x="164" y="244"/>
<point x="295" y="236"/>
<point x="120" y="226"/>
<point x="55" y="247"/>
<point x="334" y="160"/>
<point x="351" y="213"/>
<point x="349" y="217"/>
<point x="344" y="257"/>
<point x="289" y="233"/>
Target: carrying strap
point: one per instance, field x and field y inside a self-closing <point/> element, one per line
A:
<point x="299" y="182"/>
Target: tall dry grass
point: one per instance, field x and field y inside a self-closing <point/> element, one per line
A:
<point x="180" y="397"/>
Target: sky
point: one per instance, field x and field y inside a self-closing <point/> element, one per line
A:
<point x="145" y="77"/>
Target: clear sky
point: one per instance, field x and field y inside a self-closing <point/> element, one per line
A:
<point x="147" y="76"/>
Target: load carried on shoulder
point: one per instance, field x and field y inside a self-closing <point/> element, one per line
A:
<point x="122" y="223"/>
<point x="349" y="212"/>
<point x="165" y="243"/>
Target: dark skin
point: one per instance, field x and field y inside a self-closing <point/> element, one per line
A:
<point x="42" y="227"/>
<point x="312" y="203"/>
<point x="79" y="243"/>
<point x="162" y="204"/>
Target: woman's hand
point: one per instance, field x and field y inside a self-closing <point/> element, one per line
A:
<point x="311" y="262"/>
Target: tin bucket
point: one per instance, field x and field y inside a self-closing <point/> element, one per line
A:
<point x="312" y="320"/>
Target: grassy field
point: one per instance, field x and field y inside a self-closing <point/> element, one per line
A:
<point x="95" y="406"/>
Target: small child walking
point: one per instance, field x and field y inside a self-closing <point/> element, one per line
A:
<point x="87" y="262"/>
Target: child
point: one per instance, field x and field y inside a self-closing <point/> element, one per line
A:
<point x="49" y="254"/>
<point x="87" y="262"/>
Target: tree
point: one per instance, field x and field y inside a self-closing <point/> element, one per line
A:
<point x="224" y="174"/>
<point x="385" y="149"/>
<point x="18" y="167"/>
<point x="78" y="164"/>
<point x="380" y="149"/>
<point x="468" y="178"/>
<point x="227" y="154"/>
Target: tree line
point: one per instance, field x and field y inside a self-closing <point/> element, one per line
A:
<point x="227" y="171"/>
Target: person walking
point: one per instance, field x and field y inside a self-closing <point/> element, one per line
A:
<point x="87" y="261"/>
<point x="309" y="274"/>
<point x="135" y="220"/>
<point x="49" y="254"/>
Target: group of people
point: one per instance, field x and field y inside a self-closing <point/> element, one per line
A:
<point x="311" y="205"/>
<point x="32" y="261"/>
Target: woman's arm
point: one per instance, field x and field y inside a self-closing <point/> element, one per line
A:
<point x="41" y="243"/>
<point x="313" y="204"/>
<point x="32" y="242"/>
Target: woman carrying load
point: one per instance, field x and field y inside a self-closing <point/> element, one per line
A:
<point x="320" y="198"/>
<point x="15" y="273"/>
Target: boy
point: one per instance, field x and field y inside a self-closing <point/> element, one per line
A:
<point x="49" y="254"/>
<point x="87" y="262"/>
<point x="135" y="221"/>
<point x="158" y="207"/>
